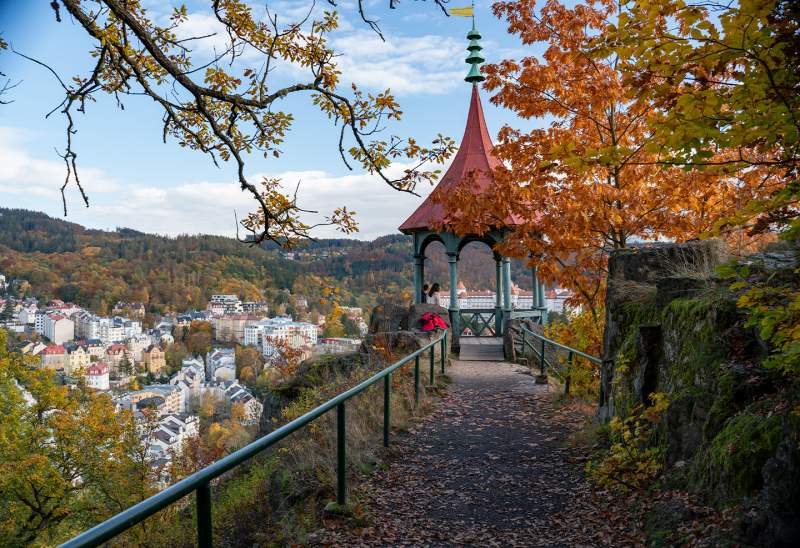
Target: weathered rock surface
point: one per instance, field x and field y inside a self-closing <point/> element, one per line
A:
<point x="641" y="282"/>
<point x="388" y="317"/>
<point x="673" y="327"/>
<point x="512" y="337"/>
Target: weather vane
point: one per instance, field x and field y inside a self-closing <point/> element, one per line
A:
<point x="464" y="12"/>
<point x="475" y="59"/>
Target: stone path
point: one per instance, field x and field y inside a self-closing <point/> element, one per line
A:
<point x="489" y="467"/>
<point x="481" y="349"/>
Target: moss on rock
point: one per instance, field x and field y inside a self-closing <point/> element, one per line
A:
<point x="731" y="466"/>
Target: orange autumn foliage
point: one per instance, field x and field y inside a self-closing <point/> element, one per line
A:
<point x="586" y="184"/>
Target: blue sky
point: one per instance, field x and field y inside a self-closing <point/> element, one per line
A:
<point x="135" y="180"/>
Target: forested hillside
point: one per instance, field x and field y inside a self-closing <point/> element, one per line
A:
<point x="96" y="268"/>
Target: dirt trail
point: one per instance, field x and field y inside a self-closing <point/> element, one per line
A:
<point x="489" y="467"/>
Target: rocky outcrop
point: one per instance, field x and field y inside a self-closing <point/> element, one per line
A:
<point x="642" y="281"/>
<point x="512" y="336"/>
<point x="388" y="317"/>
<point x="314" y="372"/>
<point x="673" y="327"/>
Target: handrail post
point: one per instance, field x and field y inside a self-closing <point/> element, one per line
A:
<point x="204" y="530"/>
<point x="569" y="373"/>
<point x="341" y="455"/>
<point x="444" y="350"/>
<point x="416" y="381"/>
<point x="387" y="408"/>
<point x="541" y="360"/>
<point x="432" y="365"/>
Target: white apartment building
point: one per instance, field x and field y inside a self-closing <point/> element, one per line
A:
<point x="38" y="321"/>
<point x="221" y="364"/>
<point x="224" y="304"/>
<point x="58" y="328"/>
<point x="487" y="299"/>
<point x="267" y="334"/>
<point x="130" y="328"/>
<point x="189" y="380"/>
<point x="555" y="300"/>
<point x="97" y="376"/>
<point x="167" y="439"/>
<point x="235" y="394"/>
<point x="255" y="307"/>
<point x="27" y="314"/>
<point x="137" y="344"/>
<point x="337" y="345"/>
<point x="107" y="330"/>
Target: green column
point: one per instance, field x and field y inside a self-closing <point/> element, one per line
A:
<point x="452" y="260"/>
<point x="498" y="302"/>
<point x="507" y="286"/>
<point x="419" y="277"/>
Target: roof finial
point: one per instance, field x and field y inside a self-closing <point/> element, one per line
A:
<point x="474" y="57"/>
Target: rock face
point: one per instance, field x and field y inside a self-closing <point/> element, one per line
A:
<point x="641" y="282"/>
<point x="673" y="327"/>
<point x="313" y="372"/>
<point x="512" y="337"/>
<point x="388" y="317"/>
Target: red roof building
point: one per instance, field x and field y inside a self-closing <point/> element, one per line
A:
<point x="97" y="368"/>
<point x="54" y="349"/>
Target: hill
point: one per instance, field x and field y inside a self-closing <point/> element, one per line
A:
<point x="96" y="268"/>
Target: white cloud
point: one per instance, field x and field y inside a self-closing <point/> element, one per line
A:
<point x="194" y="207"/>
<point x="22" y="174"/>
<point x="407" y="65"/>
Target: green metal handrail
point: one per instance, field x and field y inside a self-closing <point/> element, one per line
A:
<point x="571" y="352"/>
<point x="200" y="481"/>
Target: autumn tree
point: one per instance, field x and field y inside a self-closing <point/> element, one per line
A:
<point x="333" y="323"/>
<point x="724" y="78"/>
<point x="583" y="186"/>
<point x="227" y="106"/>
<point x="249" y="363"/>
<point x="198" y="340"/>
<point x="52" y="487"/>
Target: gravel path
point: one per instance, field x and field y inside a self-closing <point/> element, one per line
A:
<point x="489" y="467"/>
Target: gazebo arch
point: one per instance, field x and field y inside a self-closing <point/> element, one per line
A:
<point x="472" y="165"/>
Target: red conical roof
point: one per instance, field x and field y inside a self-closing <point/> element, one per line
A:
<point x="472" y="165"/>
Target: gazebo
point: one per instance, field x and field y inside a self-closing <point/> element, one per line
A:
<point x="473" y="165"/>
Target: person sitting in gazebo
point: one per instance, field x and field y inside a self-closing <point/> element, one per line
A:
<point x="433" y="294"/>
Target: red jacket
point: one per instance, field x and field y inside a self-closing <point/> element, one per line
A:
<point x="432" y="322"/>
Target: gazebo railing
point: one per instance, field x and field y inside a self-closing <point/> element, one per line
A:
<point x="479" y="321"/>
<point x="199" y="483"/>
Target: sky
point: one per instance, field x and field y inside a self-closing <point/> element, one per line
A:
<point x="135" y="180"/>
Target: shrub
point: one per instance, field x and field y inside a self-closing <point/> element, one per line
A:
<point x="633" y="461"/>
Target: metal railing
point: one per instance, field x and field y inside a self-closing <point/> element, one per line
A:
<point x="480" y="322"/>
<point x="200" y="481"/>
<point x="540" y="353"/>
